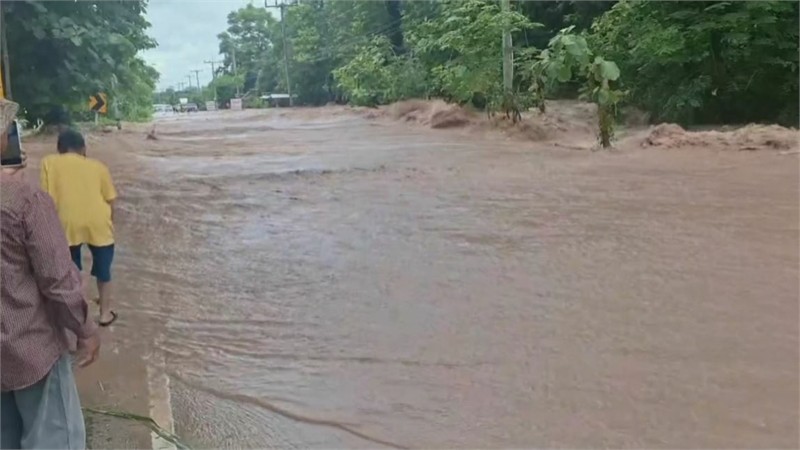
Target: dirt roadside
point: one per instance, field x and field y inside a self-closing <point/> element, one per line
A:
<point x="104" y="386"/>
<point x="118" y="381"/>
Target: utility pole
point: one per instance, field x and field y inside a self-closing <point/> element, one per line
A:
<point x="508" y="51"/>
<point x="213" y="69"/>
<point x="196" y="77"/>
<point x="288" y="80"/>
<point x="235" y="72"/>
<point x="116" y="101"/>
<point x="213" y="76"/>
<point x="189" y="84"/>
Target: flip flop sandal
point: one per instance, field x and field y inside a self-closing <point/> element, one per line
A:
<point x="113" y="319"/>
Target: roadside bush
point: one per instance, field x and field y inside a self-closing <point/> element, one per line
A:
<point x="366" y="79"/>
<point x="705" y="62"/>
<point x="254" y="103"/>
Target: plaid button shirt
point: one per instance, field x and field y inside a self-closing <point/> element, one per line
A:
<point x="40" y="287"/>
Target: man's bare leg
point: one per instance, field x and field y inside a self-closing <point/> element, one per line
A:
<point x="104" y="292"/>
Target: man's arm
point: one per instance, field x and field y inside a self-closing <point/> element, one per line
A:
<point x="43" y="181"/>
<point x="56" y="275"/>
<point x="108" y="190"/>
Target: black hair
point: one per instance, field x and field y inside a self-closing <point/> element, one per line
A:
<point x="70" y="140"/>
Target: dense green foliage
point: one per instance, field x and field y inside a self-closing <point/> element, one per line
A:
<point x="568" y="56"/>
<point x="60" y="53"/>
<point x="689" y="62"/>
<point x="706" y="61"/>
<point x="682" y="61"/>
<point x="249" y="42"/>
<point x="469" y="33"/>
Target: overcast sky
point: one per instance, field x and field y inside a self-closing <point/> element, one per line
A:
<point x="186" y="31"/>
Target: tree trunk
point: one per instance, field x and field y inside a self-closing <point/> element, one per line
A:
<point x="4" y="50"/>
<point x="395" y="33"/>
<point x="508" y="52"/>
<point x="606" y="125"/>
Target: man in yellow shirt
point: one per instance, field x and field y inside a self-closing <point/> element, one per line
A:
<point x="84" y="196"/>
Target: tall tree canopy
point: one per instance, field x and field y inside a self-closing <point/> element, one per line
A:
<point x="62" y="52"/>
<point x="248" y="48"/>
<point x="691" y="62"/>
<point x="706" y="61"/>
<point x="380" y="51"/>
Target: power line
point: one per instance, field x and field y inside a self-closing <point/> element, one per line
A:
<point x="213" y="68"/>
<point x="213" y="75"/>
<point x="318" y="56"/>
<point x="355" y="42"/>
<point x="197" y="77"/>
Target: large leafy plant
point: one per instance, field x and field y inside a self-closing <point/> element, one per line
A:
<point x="567" y="57"/>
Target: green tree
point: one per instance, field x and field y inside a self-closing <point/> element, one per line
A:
<point x="134" y="91"/>
<point x="557" y="15"/>
<point x="394" y="10"/>
<point x="167" y="97"/>
<point x="326" y="35"/>
<point x="249" y="41"/>
<point x="704" y="61"/>
<point x="311" y="63"/>
<point x="470" y="34"/>
<point x="62" y="52"/>
<point x="684" y="61"/>
<point x="366" y="79"/>
<point x="225" y="86"/>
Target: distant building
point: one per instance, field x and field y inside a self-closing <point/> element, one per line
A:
<point x="276" y="100"/>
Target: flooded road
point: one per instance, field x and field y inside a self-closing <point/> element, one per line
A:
<point x="328" y="281"/>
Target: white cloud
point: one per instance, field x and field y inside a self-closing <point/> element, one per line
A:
<point x="186" y="31"/>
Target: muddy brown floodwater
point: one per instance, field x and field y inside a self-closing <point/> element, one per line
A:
<point x="330" y="281"/>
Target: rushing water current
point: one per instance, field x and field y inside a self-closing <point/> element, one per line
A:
<point x="338" y="282"/>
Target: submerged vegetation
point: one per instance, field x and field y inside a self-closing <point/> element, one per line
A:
<point x="685" y="62"/>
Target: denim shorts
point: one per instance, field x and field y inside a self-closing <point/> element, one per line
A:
<point x="102" y="257"/>
<point x="45" y="415"/>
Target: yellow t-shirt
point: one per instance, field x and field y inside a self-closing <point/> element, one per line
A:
<point x="82" y="190"/>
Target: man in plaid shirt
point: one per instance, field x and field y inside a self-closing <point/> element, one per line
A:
<point x="43" y="311"/>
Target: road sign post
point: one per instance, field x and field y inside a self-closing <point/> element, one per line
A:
<point x="98" y="103"/>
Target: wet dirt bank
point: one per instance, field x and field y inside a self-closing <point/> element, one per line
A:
<point x="321" y="281"/>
